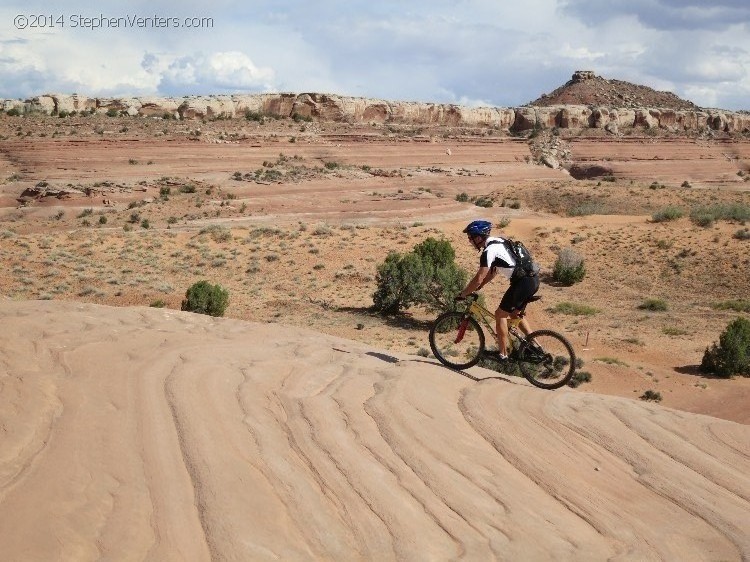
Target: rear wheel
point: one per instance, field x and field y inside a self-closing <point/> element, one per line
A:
<point x="547" y="359"/>
<point x="456" y="340"/>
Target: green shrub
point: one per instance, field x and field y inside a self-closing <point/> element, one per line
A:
<point x="427" y="276"/>
<point x="732" y="355"/>
<point x="702" y="218"/>
<point x="578" y="378"/>
<point x="298" y="117"/>
<point x="651" y="396"/>
<point x="611" y="361"/>
<point x="705" y="216"/>
<point x="254" y="115"/>
<point x="569" y="267"/>
<point x="742" y="234"/>
<point x="664" y="244"/>
<point x="111" y="112"/>
<point x="739" y="305"/>
<point x="158" y="304"/>
<point x="462" y="197"/>
<point x="654" y="305"/>
<point x="217" y="232"/>
<point x="204" y="298"/>
<point x="588" y="208"/>
<point x="667" y="214"/>
<point x="574" y="309"/>
<point x="485" y="202"/>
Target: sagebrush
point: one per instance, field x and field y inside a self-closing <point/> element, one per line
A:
<point x="731" y="356"/>
<point x="204" y="298"/>
<point x="427" y="276"/>
<point x="569" y="267"/>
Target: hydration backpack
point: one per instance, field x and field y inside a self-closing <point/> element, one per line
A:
<point x="525" y="266"/>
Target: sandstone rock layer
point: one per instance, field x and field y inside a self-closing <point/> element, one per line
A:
<point x="327" y="107"/>
<point x="153" y="434"/>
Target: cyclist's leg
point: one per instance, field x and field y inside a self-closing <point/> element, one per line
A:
<point x="532" y="286"/>
<point x="510" y="303"/>
<point x="520" y="290"/>
<point x="501" y="329"/>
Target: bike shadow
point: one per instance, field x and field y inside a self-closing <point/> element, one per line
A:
<point x="497" y="377"/>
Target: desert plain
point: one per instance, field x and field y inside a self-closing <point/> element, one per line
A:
<point x="304" y="425"/>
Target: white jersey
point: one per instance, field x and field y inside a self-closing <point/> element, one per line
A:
<point x="496" y="256"/>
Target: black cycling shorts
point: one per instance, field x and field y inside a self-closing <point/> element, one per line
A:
<point x="519" y="292"/>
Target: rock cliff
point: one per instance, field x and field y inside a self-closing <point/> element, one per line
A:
<point x="327" y="107"/>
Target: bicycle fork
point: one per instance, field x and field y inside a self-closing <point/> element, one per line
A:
<point x="462" y="329"/>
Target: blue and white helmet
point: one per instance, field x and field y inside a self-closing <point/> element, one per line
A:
<point x="478" y="228"/>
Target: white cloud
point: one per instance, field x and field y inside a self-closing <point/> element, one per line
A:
<point x="580" y="53"/>
<point x="438" y="50"/>
<point x="230" y="71"/>
<point x="469" y="102"/>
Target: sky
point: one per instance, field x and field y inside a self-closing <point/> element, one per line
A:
<point x="470" y="52"/>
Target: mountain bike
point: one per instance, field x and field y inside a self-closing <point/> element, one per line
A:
<point x="544" y="357"/>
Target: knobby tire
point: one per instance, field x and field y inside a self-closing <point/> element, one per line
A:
<point x="547" y="359"/>
<point x="456" y="340"/>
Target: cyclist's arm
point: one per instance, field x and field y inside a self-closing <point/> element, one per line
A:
<point x="482" y="277"/>
<point x="487" y="278"/>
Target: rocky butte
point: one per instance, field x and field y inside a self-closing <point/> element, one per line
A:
<point x="587" y="101"/>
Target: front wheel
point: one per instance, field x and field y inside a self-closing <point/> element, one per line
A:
<point x="456" y="340"/>
<point x="547" y="359"/>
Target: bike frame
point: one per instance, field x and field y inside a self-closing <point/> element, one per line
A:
<point x="544" y="357"/>
<point x="488" y="319"/>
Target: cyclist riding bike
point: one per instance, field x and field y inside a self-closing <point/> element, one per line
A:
<point x="495" y="258"/>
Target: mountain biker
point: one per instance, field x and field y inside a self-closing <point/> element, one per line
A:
<point x="495" y="258"/>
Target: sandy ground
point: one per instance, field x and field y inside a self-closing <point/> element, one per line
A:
<point x="303" y="426"/>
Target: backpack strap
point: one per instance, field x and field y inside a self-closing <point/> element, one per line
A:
<point x="504" y="242"/>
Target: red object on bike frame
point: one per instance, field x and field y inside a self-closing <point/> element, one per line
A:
<point x="461" y="330"/>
